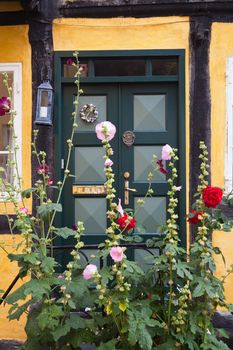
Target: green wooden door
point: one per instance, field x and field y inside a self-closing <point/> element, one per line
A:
<point x="150" y="111"/>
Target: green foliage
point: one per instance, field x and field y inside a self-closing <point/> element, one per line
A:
<point x="119" y="306"/>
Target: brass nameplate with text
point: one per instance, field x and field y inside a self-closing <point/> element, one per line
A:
<point x="82" y="190"/>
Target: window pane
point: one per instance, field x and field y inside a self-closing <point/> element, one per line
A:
<point x="119" y="67"/>
<point x="5" y="172"/>
<point x="165" y="66"/>
<point x="5" y="132"/>
<point x="152" y="214"/>
<point x="89" y="164"/>
<point x="142" y="163"/>
<point x="92" y="211"/>
<point x="100" y="105"/>
<point x="149" y="112"/>
<point x="69" y="70"/>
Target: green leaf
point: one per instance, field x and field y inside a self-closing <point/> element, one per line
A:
<point x="65" y="232"/>
<point x="60" y="331"/>
<point x="27" y="193"/>
<point x="169" y="345"/>
<point x="110" y="345"/>
<point x="19" y="310"/>
<point x="46" y="209"/>
<point x="221" y="332"/>
<point x="48" y="265"/>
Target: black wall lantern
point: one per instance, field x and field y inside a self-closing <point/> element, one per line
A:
<point x="44" y="106"/>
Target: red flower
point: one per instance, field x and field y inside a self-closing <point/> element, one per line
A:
<point x="194" y="218"/>
<point x="212" y="196"/>
<point x="161" y="166"/>
<point x="126" y="223"/>
<point x="5" y="105"/>
<point x="43" y="169"/>
<point x="69" y="61"/>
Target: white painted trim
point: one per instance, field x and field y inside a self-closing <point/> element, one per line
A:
<point x="228" y="171"/>
<point x="16" y="68"/>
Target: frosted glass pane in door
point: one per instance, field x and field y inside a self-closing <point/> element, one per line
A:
<point x="92" y="211"/>
<point x="149" y="112"/>
<point x="100" y="102"/>
<point x="89" y="164"/>
<point x="152" y="214"/>
<point x="142" y="162"/>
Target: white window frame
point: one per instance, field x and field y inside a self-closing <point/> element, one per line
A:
<point x="16" y="69"/>
<point x="228" y="173"/>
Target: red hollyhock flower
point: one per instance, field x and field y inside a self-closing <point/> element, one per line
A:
<point x="69" y="61"/>
<point x="194" y="219"/>
<point x="161" y="166"/>
<point x="43" y="169"/>
<point x="5" y="105"/>
<point x="212" y="196"/>
<point x="125" y="223"/>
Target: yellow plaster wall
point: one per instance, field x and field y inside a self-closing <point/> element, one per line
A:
<point x="8" y="271"/>
<point x="221" y="47"/>
<point x="15" y="47"/>
<point x="10" y="6"/>
<point x="127" y="34"/>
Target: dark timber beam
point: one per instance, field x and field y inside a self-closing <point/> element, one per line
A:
<point x="41" y="40"/>
<point x="142" y="8"/>
<point x="200" y="102"/>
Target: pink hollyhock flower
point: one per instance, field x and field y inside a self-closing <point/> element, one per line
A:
<point x="161" y="167"/>
<point x="50" y="182"/>
<point x="178" y="188"/>
<point x="43" y="169"/>
<point x="89" y="271"/>
<point x="117" y="253"/>
<point x="166" y="152"/>
<point x="119" y="208"/>
<point x="108" y="162"/>
<point x="23" y="210"/>
<point x="5" y="105"/>
<point x="105" y="131"/>
<point x="69" y="61"/>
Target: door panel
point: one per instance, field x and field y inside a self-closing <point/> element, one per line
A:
<point x="149" y="110"/>
<point x="155" y="105"/>
<point x="87" y="164"/>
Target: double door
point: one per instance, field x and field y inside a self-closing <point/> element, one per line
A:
<point x="146" y="118"/>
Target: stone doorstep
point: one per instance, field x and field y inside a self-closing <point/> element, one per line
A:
<point x="9" y="345"/>
<point x="221" y="320"/>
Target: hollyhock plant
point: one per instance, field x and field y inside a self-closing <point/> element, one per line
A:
<point x="108" y="162"/>
<point x="5" y="105"/>
<point x="70" y="61"/>
<point x="161" y="168"/>
<point x="105" y="131"/>
<point x="126" y="222"/>
<point x="166" y="152"/>
<point x="117" y="254"/>
<point x="119" y="208"/>
<point x="43" y="169"/>
<point x="23" y="210"/>
<point x="178" y="188"/>
<point x="89" y="271"/>
<point x="212" y="196"/>
<point x="194" y="217"/>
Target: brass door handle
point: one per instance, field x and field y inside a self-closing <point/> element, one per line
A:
<point x="127" y="189"/>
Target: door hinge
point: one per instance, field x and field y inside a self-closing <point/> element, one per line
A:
<point x="62" y="163"/>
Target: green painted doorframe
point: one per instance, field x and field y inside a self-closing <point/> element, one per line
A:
<point x="61" y="82"/>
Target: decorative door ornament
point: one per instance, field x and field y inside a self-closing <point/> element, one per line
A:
<point x="89" y="113"/>
<point x="128" y="138"/>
